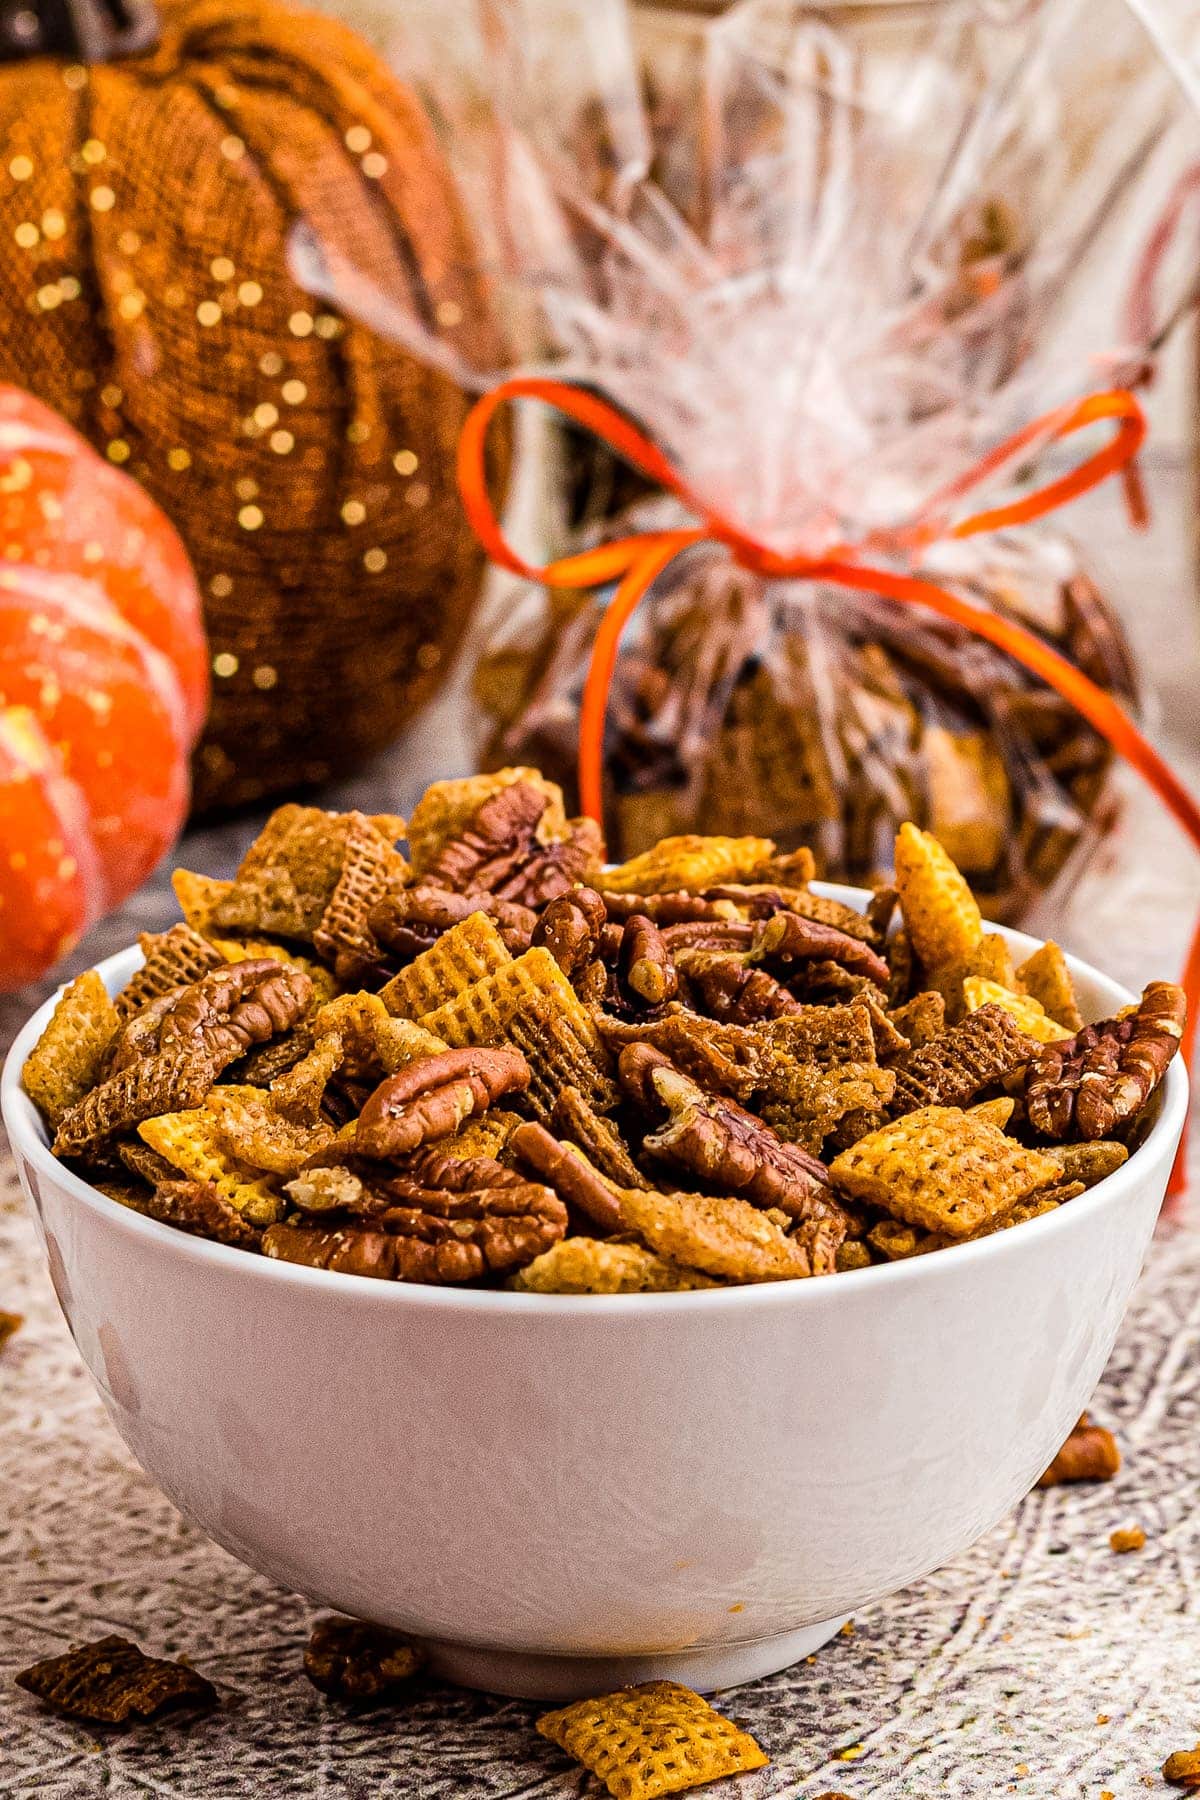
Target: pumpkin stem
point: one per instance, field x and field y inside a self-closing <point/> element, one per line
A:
<point x="87" y="31"/>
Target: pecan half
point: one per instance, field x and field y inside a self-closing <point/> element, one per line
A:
<point x="500" y="851"/>
<point x="572" y="1179"/>
<point x="716" y="1140"/>
<point x="669" y="909"/>
<point x="197" y="1207"/>
<point x="718" y="934"/>
<point x="431" y="1098"/>
<point x="364" y="1664"/>
<point x="570" y="928"/>
<point x="1089" y="1454"/>
<point x="787" y="941"/>
<point x="228" y="1011"/>
<point x="727" y="989"/>
<point x="645" y="966"/>
<point x="1087" y="1085"/>
<point x="411" y="921"/>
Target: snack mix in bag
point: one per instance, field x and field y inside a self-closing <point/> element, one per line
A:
<point x="499" y="1060"/>
<point x="826" y="308"/>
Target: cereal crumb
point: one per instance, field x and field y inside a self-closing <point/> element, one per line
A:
<point x="1132" y="1538"/>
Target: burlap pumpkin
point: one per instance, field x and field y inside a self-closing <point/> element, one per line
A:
<point x="145" y="205"/>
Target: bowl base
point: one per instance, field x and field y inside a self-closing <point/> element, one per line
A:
<point x="531" y="1677"/>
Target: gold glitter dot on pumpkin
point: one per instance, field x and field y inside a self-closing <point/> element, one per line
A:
<point x="374" y="561"/>
<point x="282" y="442"/>
<point x="294" y="392"/>
<point x="49" y="297"/>
<point x="232" y="148"/>
<point x="131" y="306"/>
<point x="21" y="168"/>
<point x="265" y="677"/>
<point x="417" y="494"/>
<point x="69" y="287"/>
<point x="179" y="458"/>
<point x="53" y="223"/>
<point x="93" y="151"/>
<point x="265" y="414"/>
<point x="373" y="165"/>
<point x="300" y="324"/>
<point x="225" y="664"/>
<point x="271" y="363"/>
<point x="175" y="295"/>
<point x="250" y="293"/>
<point x="117" y="450"/>
<point x="111" y="395"/>
<point x="27" y="234"/>
<point x="358" y="139"/>
<point x="75" y="77"/>
<point x="221" y="586"/>
<point x="129" y="243"/>
<point x="93" y="552"/>
<point x="327" y="326"/>
<point x="246" y="488"/>
<point x="208" y="312"/>
<point x="449" y="312"/>
<point x="354" y="512"/>
<point x="250" y="518"/>
<point x="406" y="462"/>
<point x="221" y="269"/>
<point x="102" y="199"/>
<point x="357" y="432"/>
<point x="18" y="477"/>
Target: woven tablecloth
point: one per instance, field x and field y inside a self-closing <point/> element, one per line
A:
<point x="1040" y="1664"/>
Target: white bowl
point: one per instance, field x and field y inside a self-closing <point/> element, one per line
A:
<point x="568" y="1493"/>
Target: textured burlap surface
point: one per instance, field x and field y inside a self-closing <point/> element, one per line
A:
<point x="1039" y="1664"/>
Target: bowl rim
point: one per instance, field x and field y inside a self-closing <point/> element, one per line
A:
<point x="29" y="1144"/>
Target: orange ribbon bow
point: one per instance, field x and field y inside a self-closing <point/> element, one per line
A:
<point x="634" y="563"/>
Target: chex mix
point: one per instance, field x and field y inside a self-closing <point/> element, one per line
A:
<point x="463" y="1049"/>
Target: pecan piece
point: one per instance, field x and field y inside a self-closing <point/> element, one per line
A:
<point x="570" y="928"/>
<point x="112" y="1682"/>
<point x="365" y="1664"/>
<point x="645" y="966"/>
<point x="670" y="909"/>
<point x="411" y="921"/>
<point x="716" y="1140"/>
<point x="231" y="1009"/>
<point x="718" y="934"/>
<point x="197" y="1207"/>
<point x="500" y="850"/>
<point x="726" y="988"/>
<point x="1089" y="1454"/>
<point x="431" y="1098"/>
<point x="1089" y="1084"/>
<point x="788" y="941"/>
<point x="571" y="1177"/>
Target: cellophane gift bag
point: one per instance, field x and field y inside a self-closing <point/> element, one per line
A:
<point x="826" y="260"/>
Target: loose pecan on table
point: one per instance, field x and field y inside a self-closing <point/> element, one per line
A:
<point x="1088" y="1085"/>
<point x="1089" y="1454"/>
<point x="719" y="1142"/>
<point x="431" y="1098"/>
<point x="364" y="1664"/>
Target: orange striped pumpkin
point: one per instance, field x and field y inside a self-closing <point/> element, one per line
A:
<point x="103" y="686"/>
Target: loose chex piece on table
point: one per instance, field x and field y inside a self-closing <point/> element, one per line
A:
<point x="476" y="1054"/>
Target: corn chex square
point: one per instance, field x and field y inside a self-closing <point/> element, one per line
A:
<point x="659" y="1738"/>
<point x="462" y="956"/>
<point x="689" y="864"/>
<point x="193" y="1142"/>
<point x="66" y="1061"/>
<point x="941" y="1168"/>
<point x="940" y="911"/>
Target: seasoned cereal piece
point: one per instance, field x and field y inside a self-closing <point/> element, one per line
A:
<point x="996" y="1112"/>
<point x="659" y="1738"/>
<point x="371" y="867"/>
<point x="486" y="1136"/>
<point x="462" y="956"/>
<point x="580" y="1265"/>
<point x="1088" y="1163"/>
<point x="288" y="875"/>
<point x="366" y="1665"/>
<point x="111" y="1682"/>
<point x="920" y="1019"/>
<point x="1182" y="1769"/>
<point x="485" y="1010"/>
<point x="953" y="1069"/>
<point x="805" y="1104"/>
<point x="198" y="897"/>
<point x="940" y="912"/>
<point x="192" y="1142"/>
<point x="10" y="1324"/>
<point x="942" y="1169"/>
<point x="172" y="1080"/>
<point x="1027" y="1012"/>
<point x="195" y="1207"/>
<point x="67" y="1060"/>
<point x="1089" y="1454"/>
<point x="688" y="865"/>
<point x="595" y="1134"/>
<point x="730" y="1239"/>
<point x="1131" y="1538"/>
<point x="1045" y="977"/>
<point x="447" y="808"/>
<point x="253" y="1131"/>
<point x="853" y="1254"/>
<point x="173" y="959"/>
